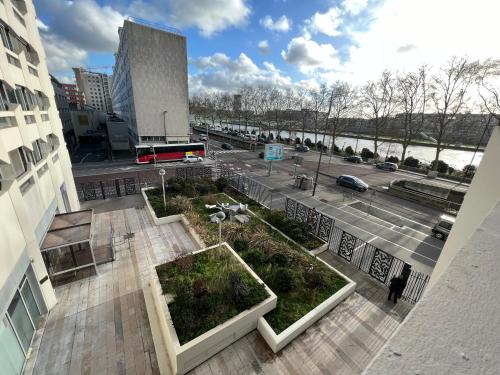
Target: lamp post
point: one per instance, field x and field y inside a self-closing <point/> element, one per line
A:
<point x="165" y="124"/>
<point x="161" y="172"/>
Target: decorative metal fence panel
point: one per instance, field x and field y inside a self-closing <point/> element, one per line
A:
<point x="377" y="263"/>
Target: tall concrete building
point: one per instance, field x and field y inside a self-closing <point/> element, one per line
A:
<point x="73" y="95"/>
<point x="150" y="87"/>
<point x="36" y="181"/>
<point x="96" y="88"/>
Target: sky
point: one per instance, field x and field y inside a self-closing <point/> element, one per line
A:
<point x="300" y="43"/>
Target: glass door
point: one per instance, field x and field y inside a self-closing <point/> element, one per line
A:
<point x="21" y="321"/>
<point x="29" y="301"/>
<point x="11" y="354"/>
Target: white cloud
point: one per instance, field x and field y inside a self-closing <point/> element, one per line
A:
<point x="404" y="34"/>
<point x="77" y="28"/>
<point x="282" y="24"/>
<point x="327" y="23"/>
<point x="209" y="16"/>
<point x="218" y="72"/>
<point x="354" y="7"/>
<point x="263" y="47"/>
<point x="309" y="55"/>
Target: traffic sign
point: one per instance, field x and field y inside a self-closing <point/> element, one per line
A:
<point x="273" y="151"/>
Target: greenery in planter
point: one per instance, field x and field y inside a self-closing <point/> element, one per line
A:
<point x="295" y="229"/>
<point x="258" y="244"/>
<point x="209" y="288"/>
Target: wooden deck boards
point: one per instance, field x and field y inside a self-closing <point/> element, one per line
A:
<point x="100" y="325"/>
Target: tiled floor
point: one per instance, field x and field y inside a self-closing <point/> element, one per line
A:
<point x="100" y="325"/>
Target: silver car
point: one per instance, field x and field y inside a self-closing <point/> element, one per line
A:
<point x="393" y="167"/>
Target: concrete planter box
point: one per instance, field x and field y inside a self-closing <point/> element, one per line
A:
<point x="171" y="219"/>
<point x="179" y="359"/>
<point x="278" y="341"/>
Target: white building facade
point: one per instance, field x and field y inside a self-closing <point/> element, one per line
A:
<point x="36" y="180"/>
<point x="96" y="89"/>
<point x="150" y="84"/>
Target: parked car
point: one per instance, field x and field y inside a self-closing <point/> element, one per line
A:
<point x="354" y="159"/>
<point x="352" y="182"/>
<point x="203" y="138"/>
<point x="226" y="146"/>
<point x="442" y="228"/>
<point x="393" y="167"/>
<point x="192" y="159"/>
<point x="301" y="148"/>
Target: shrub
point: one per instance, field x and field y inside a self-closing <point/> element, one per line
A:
<point x="200" y="287"/>
<point x="349" y="151"/>
<point x="393" y="159"/>
<point x="239" y="288"/>
<point x="285" y="280"/>
<point x="410" y="161"/>
<point x="442" y="167"/>
<point x="335" y="148"/>
<point x="308" y="142"/>
<point x="221" y="183"/>
<point x="254" y="257"/>
<point x="367" y="154"/>
<point x="469" y="170"/>
<point x="297" y="140"/>
<point x="279" y="259"/>
<point x="240" y="245"/>
<point x="315" y="280"/>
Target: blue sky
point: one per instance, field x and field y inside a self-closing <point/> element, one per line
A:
<point x="281" y="42"/>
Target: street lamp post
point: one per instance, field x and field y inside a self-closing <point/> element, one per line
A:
<point x="165" y="124"/>
<point x="161" y="172"/>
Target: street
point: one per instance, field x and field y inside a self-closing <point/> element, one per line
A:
<point x="397" y="226"/>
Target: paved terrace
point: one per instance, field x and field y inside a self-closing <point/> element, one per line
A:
<point x="100" y="324"/>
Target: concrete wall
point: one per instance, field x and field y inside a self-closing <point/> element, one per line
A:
<point x="25" y="213"/>
<point x="481" y="198"/>
<point x="454" y="328"/>
<point x="156" y="61"/>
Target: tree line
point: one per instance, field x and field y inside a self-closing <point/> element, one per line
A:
<point x="444" y="93"/>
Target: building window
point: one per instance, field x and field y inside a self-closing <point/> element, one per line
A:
<point x="32" y="71"/>
<point x="25" y="98"/>
<point x="19" y="161"/>
<point x="25" y="186"/>
<point x="29" y="119"/>
<point x="42" y="170"/>
<point x="12" y="60"/>
<point x="37" y="151"/>
<point x="45" y="117"/>
<point x="7" y="122"/>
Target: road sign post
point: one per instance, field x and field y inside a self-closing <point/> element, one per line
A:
<point x="161" y="172"/>
<point x="273" y="152"/>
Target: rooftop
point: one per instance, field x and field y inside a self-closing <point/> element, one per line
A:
<point x="100" y="323"/>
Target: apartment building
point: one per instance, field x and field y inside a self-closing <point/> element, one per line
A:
<point x="150" y="83"/>
<point x="73" y="95"/>
<point x="95" y="87"/>
<point x="36" y="181"/>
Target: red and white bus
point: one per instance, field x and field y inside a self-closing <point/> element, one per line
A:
<point x="163" y="152"/>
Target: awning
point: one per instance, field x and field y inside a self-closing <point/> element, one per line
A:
<point x="69" y="229"/>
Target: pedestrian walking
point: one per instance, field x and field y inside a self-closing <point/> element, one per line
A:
<point x="396" y="288"/>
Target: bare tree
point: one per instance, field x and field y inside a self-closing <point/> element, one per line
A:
<point x="247" y="104"/>
<point x="379" y="101"/>
<point x="488" y="87"/>
<point x="448" y="96"/>
<point x="343" y="102"/>
<point x="304" y="105"/>
<point x="412" y="99"/>
<point x="319" y="101"/>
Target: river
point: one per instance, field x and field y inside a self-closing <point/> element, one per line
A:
<point x="455" y="158"/>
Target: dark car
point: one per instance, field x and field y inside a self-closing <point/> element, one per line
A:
<point x="354" y="159"/>
<point x="226" y="146"/>
<point x="393" y="167"/>
<point x="301" y="148"/>
<point x="352" y="182"/>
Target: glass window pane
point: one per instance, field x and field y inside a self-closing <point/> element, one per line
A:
<point x="29" y="299"/>
<point x="21" y="321"/>
<point x="11" y="354"/>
